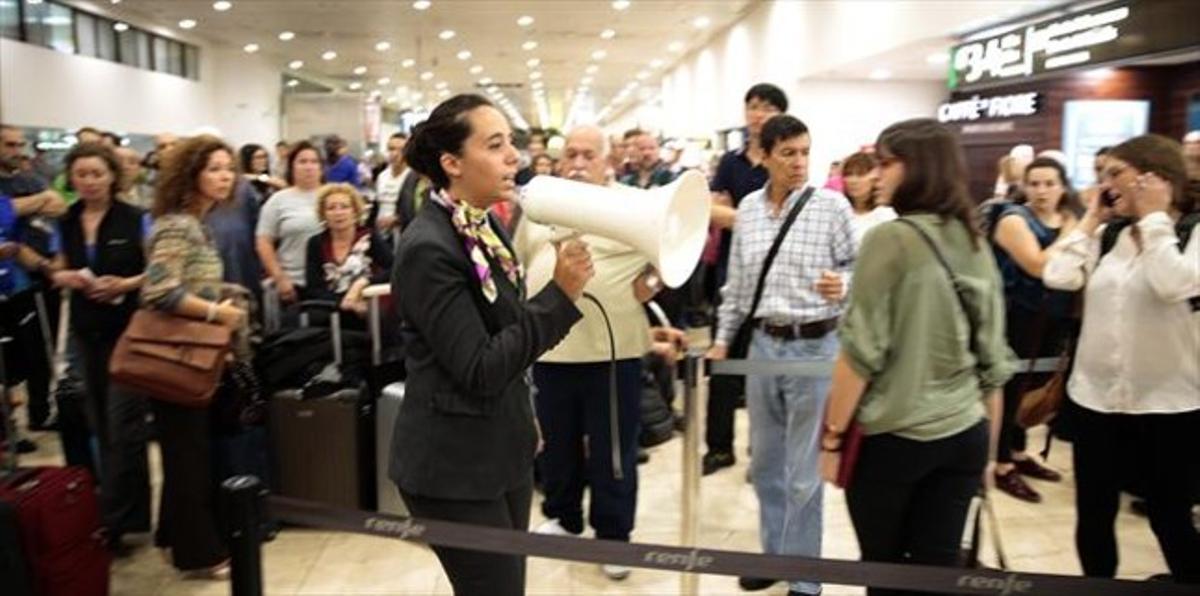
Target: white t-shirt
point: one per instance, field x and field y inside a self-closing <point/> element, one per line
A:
<point x="865" y="221"/>
<point x="387" y="190"/>
<point x="289" y="218"/>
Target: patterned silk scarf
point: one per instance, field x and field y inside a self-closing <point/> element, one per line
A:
<point x="480" y="238"/>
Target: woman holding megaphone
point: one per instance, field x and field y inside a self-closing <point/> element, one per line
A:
<point x="465" y="437"/>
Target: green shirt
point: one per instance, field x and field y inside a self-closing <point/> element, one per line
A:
<point x="905" y="332"/>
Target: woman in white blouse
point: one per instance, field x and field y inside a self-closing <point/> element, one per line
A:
<point x="1137" y="368"/>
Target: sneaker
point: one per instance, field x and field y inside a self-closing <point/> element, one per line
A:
<point x="755" y="584"/>
<point x="615" y="572"/>
<point x="1012" y="484"/>
<point x="218" y="572"/>
<point x="552" y="527"/>
<point x="1035" y="469"/>
<point x="715" y="460"/>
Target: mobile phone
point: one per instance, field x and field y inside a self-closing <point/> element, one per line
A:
<point x="1107" y="199"/>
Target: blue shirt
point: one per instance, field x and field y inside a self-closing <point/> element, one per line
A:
<point x="345" y="170"/>
<point x="1023" y="289"/>
<point x="13" y="278"/>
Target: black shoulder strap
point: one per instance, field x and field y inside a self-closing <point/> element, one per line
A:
<point x="959" y="290"/>
<point x="1183" y="228"/>
<point x="787" y="224"/>
<point x="1111" y="233"/>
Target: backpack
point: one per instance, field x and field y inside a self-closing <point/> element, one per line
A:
<point x="1183" y="229"/>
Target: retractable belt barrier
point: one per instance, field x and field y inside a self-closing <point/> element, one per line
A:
<point x="245" y="495"/>
<point x="808" y="368"/>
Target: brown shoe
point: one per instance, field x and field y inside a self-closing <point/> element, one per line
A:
<point x="1034" y="469"/>
<point x="1012" y="484"/>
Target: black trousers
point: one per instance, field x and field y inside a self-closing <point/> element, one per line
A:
<point x="26" y="353"/>
<point x="187" y="516"/>
<point x="1157" y="453"/>
<point x="724" y="394"/>
<point x="1030" y="336"/>
<point x="475" y="573"/>
<point x="908" y="499"/>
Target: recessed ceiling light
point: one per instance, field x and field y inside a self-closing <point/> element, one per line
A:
<point x="608" y="34"/>
<point x="250" y="48"/>
<point x="360" y="70"/>
<point x="675" y="46"/>
<point x="475" y="69"/>
<point x="427" y="76"/>
<point x="585" y="81"/>
<point x="187" y="24"/>
<point x="446" y="34"/>
<point x="525" y="21"/>
<point x="880" y="74"/>
<point x="485" y="81"/>
<point x="599" y="55"/>
<point x="329" y="55"/>
<point x="393" y="101"/>
<point x="121" y="26"/>
<point x="384" y="81"/>
<point x="287" y="36"/>
<point x="421" y="4"/>
<point x="620" y="4"/>
<point x="938" y="58"/>
<point x="113" y="1"/>
<point x="408" y="63"/>
<point x="532" y="62"/>
<point x="464" y="55"/>
<point x="444" y="93"/>
<point x="535" y="75"/>
<point x="355" y="86"/>
<point x="591" y="69"/>
<point x="442" y="85"/>
<point x="529" y="46"/>
<point x="292" y="82"/>
<point x="417" y="96"/>
<point x="642" y="75"/>
<point x="222" y="6"/>
<point x="296" y="64"/>
<point x="493" y="90"/>
<point x="656" y="63"/>
<point x="701" y="22"/>
<point x="538" y="85"/>
<point x="383" y="46"/>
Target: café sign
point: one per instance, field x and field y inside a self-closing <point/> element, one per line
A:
<point x="998" y="106"/>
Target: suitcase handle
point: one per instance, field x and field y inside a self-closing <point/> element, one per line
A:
<point x="335" y="322"/>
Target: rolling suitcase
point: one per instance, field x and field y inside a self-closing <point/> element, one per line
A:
<point x="386" y="409"/>
<point x="323" y="446"/>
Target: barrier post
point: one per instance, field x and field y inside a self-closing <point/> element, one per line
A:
<point x="243" y="498"/>
<point x="689" y="532"/>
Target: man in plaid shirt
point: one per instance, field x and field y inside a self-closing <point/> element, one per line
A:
<point x="795" y="320"/>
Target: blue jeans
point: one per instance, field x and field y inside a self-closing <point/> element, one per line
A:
<point x="786" y="413"/>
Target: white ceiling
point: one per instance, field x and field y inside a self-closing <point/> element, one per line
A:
<point x="567" y="32"/>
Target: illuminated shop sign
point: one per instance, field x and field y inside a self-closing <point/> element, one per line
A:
<point x="999" y="106"/>
<point x="1093" y="36"/>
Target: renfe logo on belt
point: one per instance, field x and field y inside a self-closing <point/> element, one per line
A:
<point x="400" y="529"/>
<point x="687" y="562"/>
<point x="1004" y="587"/>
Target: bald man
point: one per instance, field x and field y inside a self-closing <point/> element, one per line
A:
<point x="573" y="398"/>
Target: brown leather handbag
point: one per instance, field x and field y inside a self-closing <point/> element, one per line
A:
<point x="1040" y="404"/>
<point x="171" y="358"/>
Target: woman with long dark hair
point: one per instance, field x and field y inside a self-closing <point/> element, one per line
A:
<point x="256" y="170"/>
<point x="1136" y="378"/>
<point x="921" y="365"/>
<point x="465" y="436"/>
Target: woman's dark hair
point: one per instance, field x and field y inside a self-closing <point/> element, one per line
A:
<point x="768" y="93"/>
<point x="294" y="153"/>
<point x="1164" y="157"/>
<point x="179" y="173"/>
<point x="780" y="128"/>
<point x="1070" y="202"/>
<point x="444" y="132"/>
<point x="246" y="156"/>
<point x="105" y="154"/>
<point x="935" y="172"/>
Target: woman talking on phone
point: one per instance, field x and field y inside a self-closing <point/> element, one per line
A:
<point x="1136" y="376"/>
<point x="465" y="436"/>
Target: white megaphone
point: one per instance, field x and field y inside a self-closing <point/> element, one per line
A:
<point x="668" y="224"/>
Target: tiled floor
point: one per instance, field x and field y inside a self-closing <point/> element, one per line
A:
<point x="1036" y="537"/>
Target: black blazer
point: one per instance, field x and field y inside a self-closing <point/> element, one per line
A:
<point x="465" y="429"/>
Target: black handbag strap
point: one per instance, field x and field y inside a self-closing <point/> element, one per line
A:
<point x="959" y="289"/>
<point x="783" y="230"/>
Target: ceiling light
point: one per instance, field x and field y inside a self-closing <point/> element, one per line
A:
<point x="464" y="55"/>
<point x="585" y="81"/>
<point x="360" y="70"/>
<point x="121" y="26"/>
<point x="113" y="1"/>
<point x="535" y="75"/>
<point x="642" y="75"/>
<point x="537" y="85"/>
<point x="427" y="76"/>
<point x="393" y="101"/>
<point x="296" y="64"/>
<point x="608" y="34"/>
<point x="384" y="81"/>
<point x="444" y="93"/>
<point x="475" y="69"/>
<point x="529" y="46"/>
<point x="485" y="81"/>
<point x="383" y="46"/>
<point x="599" y="55"/>
<point x="591" y="69"/>
<point x="187" y="24"/>
<point x="421" y="4"/>
<point x="532" y="62"/>
<point x="938" y="58"/>
<point x="292" y="82"/>
<point x="329" y="55"/>
<point x="880" y="74"/>
<point x="408" y="63"/>
<point x="250" y="48"/>
<point x="355" y="86"/>
<point x="442" y="85"/>
<point x="287" y="36"/>
<point x="222" y="6"/>
<point x="620" y="4"/>
<point x="701" y="22"/>
<point x="417" y="96"/>
<point x="656" y="63"/>
<point x="525" y="21"/>
<point x="447" y="34"/>
<point x="675" y="46"/>
<point x="493" y="90"/>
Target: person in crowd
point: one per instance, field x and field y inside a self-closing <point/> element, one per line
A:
<point x="1039" y="321"/>
<point x="340" y="165"/>
<point x="1092" y="194"/>
<point x="233" y="226"/>
<point x="739" y="173"/>
<point x="1011" y="169"/>
<point x="348" y="256"/>
<point x="134" y="189"/>
<point x="617" y="157"/>
<point x="255" y="165"/>
<point x="399" y="190"/>
<point x="572" y="380"/>
<point x="1136" y="379"/>
<point x="111" y="140"/>
<point x="918" y="372"/>
<point x="858" y="178"/>
<point x="1191" y="154"/>
<point x="834" y="180"/>
<point x="795" y="320"/>
<point x="534" y="148"/>
<point x="465" y="436"/>
<point x="288" y="220"/>
<point x="648" y="168"/>
<point x="543" y="165"/>
<point x="279" y="165"/>
<point x="102" y="262"/>
<point x="184" y="277"/>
